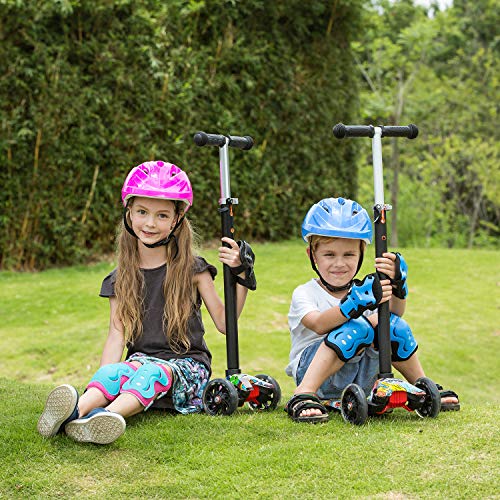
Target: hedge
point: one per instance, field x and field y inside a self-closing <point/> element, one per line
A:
<point x="90" y="89"/>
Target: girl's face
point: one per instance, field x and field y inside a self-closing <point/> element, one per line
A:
<point x="337" y="260"/>
<point x="152" y="219"/>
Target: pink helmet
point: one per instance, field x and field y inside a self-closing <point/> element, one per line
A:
<point x="158" y="179"/>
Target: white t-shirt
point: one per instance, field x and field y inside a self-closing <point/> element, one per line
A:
<point x="306" y="298"/>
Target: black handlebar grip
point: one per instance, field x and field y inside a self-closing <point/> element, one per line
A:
<point x="245" y="142"/>
<point x="234" y="141"/>
<point x="203" y="139"/>
<point x="411" y="131"/>
<point x="340" y="131"/>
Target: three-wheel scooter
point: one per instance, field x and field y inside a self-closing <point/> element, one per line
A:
<point x="223" y="395"/>
<point x="388" y="392"/>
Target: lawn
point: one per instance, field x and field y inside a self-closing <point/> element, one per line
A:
<point x="53" y="326"/>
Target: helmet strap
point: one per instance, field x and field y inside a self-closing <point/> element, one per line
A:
<point x="164" y="242"/>
<point x="325" y="283"/>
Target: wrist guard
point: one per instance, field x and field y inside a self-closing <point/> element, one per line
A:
<point x="364" y="295"/>
<point x="247" y="258"/>
<point x="399" y="286"/>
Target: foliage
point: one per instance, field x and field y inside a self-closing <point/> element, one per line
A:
<point x="439" y="71"/>
<point x="90" y="89"/>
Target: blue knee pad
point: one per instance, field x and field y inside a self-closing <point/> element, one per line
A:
<point x="347" y="339"/>
<point x="148" y="381"/>
<point x="110" y="378"/>
<point x="403" y="344"/>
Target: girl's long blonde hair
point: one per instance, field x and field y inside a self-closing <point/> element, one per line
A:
<point x="178" y="286"/>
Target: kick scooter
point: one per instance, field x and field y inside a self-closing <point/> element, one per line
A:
<point x="388" y="392"/>
<point x="223" y="395"/>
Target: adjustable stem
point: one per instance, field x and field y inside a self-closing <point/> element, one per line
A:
<point x="226" y="213"/>
<point x="380" y="220"/>
<point x="340" y="131"/>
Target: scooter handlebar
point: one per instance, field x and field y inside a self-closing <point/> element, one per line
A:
<point x="235" y="141"/>
<point x="340" y="131"/>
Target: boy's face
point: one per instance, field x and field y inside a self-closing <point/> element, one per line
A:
<point x="337" y="260"/>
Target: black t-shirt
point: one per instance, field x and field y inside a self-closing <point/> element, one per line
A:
<point x="153" y="341"/>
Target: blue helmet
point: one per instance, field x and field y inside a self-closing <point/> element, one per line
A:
<point x="337" y="218"/>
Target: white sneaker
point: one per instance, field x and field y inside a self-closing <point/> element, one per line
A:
<point x="60" y="407"/>
<point x="100" y="426"/>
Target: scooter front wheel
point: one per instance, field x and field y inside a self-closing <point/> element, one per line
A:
<point x="267" y="399"/>
<point x="220" y="397"/>
<point x="432" y="404"/>
<point x="354" y="406"/>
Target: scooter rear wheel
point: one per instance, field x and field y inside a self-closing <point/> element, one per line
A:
<point x="268" y="398"/>
<point x="432" y="404"/>
<point x="220" y="397"/>
<point x="354" y="406"/>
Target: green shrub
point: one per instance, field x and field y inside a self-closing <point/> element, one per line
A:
<point x="92" y="88"/>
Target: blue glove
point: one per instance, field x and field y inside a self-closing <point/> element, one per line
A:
<point x="363" y="295"/>
<point x="399" y="286"/>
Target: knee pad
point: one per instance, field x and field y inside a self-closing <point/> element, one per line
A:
<point x="147" y="382"/>
<point x="109" y="379"/>
<point x="347" y="339"/>
<point x="403" y="344"/>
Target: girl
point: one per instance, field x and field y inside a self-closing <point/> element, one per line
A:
<point x="155" y="296"/>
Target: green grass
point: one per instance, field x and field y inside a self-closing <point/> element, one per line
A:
<point x="53" y="326"/>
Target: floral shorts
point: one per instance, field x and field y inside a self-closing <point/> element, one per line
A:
<point x="190" y="380"/>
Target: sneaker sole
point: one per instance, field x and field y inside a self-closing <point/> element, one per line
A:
<point x="103" y="428"/>
<point x="59" y="406"/>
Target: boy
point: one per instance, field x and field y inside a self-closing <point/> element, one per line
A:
<point x="332" y="319"/>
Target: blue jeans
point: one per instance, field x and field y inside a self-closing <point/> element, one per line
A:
<point x="361" y="370"/>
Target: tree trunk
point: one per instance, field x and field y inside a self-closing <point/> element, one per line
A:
<point x="475" y="217"/>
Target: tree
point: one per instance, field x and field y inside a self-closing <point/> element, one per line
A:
<point x="440" y="72"/>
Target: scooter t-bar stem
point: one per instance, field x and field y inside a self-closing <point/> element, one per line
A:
<point x="380" y="226"/>
<point x="340" y="131"/>
<point x="235" y="141"/>
<point x="226" y="214"/>
<point x="226" y="203"/>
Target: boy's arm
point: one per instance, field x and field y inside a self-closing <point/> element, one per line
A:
<point x="397" y="306"/>
<point x="324" y="322"/>
<point x="364" y="295"/>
